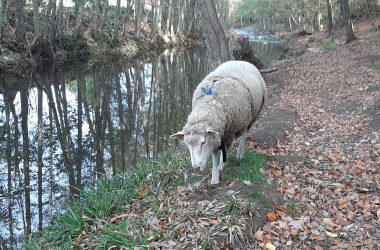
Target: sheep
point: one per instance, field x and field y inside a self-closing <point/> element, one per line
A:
<point x="224" y="106"/>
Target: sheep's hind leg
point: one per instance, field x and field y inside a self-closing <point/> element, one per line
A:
<point x="215" y="168"/>
<point x="240" y="150"/>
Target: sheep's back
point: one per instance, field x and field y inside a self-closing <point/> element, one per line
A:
<point x="235" y="100"/>
<point x="249" y="75"/>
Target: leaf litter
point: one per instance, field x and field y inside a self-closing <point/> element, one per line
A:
<point x="335" y="189"/>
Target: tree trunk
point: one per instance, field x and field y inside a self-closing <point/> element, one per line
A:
<point x="95" y="20"/>
<point x="139" y="13"/>
<point x="3" y="18"/>
<point x="78" y="19"/>
<point x="10" y="165"/>
<point x="25" y="149"/>
<point x="39" y="158"/>
<point x="20" y="28"/>
<point x="218" y="29"/>
<point x="81" y="83"/>
<point x="329" y="16"/>
<point x="156" y="17"/>
<point x="350" y="36"/>
<point x="115" y="35"/>
<point x="52" y="24"/>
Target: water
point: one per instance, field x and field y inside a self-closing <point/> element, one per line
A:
<point x="68" y="124"/>
<point x="266" y="46"/>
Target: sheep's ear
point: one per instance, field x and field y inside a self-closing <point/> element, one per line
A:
<point x="211" y="131"/>
<point x="179" y="135"/>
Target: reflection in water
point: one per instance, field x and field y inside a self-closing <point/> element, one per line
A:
<point x="60" y="130"/>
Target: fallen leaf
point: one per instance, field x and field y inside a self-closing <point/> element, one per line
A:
<point x="333" y="235"/>
<point x="272" y="216"/>
<point x="340" y="244"/>
<point x="270" y="246"/>
<point x="317" y="238"/>
<point x="279" y="207"/>
<point x="233" y="182"/>
<point x="259" y="235"/>
<point x="143" y="191"/>
<point x="295" y="224"/>
<point x="213" y="221"/>
<point x="228" y="246"/>
<point x="359" y="170"/>
<point x="162" y="223"/>
<point x="247" y="183"/>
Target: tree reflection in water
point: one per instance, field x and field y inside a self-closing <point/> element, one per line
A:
<point x="61" y="130"/>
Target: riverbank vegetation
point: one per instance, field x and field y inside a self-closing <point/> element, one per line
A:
<point x="156" y="205"/>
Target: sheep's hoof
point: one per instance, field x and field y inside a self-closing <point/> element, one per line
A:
<point x="214" y="182"/>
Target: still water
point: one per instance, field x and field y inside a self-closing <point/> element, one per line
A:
<point x="61" y="128"/>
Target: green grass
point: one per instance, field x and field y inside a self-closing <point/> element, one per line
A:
<point x="91" y="219"/>
<point x="249" y="168"/>
<point x="312" y="39"/>
<point x="108" y="198"/>
<point x="329" y="47"/>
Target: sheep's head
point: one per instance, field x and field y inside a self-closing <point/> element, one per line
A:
<point x="201" y="146"/>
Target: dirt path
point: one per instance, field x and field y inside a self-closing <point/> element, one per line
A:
<point x="331" y="101"/>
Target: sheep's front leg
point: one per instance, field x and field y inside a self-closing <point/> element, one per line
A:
<point x="240" y="150"/>
<point x="215" y="169"/>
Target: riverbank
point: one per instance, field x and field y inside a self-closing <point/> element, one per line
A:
<point x="163" y="204"/>
<point x="69" y="49"/>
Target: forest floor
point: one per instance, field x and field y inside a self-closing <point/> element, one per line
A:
<point x="327" y="103"/>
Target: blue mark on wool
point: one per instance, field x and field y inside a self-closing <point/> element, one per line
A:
<point x="208" y="91"/>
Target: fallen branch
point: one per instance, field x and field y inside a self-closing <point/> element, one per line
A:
<point x="268" y="70"/>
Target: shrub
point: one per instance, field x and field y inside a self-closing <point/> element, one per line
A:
<point x="73" y="44"/>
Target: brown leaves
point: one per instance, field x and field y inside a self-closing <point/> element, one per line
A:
<point x="143" y="191"/>
<point x="338" y="183"/>
<point x="272" y="216"/>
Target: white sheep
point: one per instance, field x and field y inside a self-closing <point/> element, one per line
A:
<point x="225" y="105"/>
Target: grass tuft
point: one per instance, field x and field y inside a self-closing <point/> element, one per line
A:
<point x="312" y="39"/>
<point x="329" y="47"/>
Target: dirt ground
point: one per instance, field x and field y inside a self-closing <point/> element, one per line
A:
<point x="323" y="125"/>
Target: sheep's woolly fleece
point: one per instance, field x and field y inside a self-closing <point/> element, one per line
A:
<point x="233" y="105"/>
